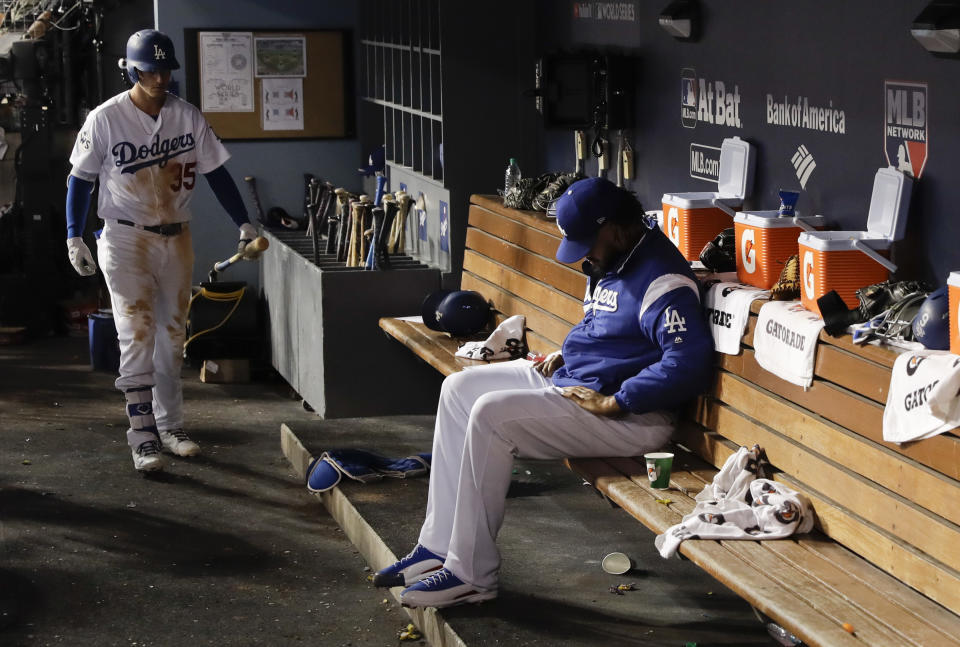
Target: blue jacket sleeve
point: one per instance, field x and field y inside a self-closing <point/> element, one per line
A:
<point x="79" y="193"/>
<point x="676" y="322"/>
<point x="227" y="194"/>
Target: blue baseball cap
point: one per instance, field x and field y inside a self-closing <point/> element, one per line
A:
<point x="581" y="210"/>
<point x="376" y="163"/>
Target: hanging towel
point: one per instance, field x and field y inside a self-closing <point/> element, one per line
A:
<point x="738" y="505"/>
<point x="921" y="400"/>
<point x="727" y="306"/>
<point x="506" y="342"/>
<point x="785" y="341"/>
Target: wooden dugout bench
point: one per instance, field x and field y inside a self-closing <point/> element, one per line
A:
<point x="885" y="556"/>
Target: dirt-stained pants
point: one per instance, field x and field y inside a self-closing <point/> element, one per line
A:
<point x="148" y="276"/>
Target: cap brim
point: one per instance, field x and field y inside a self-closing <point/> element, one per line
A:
<point x="571" y="251"/>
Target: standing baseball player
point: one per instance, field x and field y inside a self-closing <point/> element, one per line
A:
<point x="641" y="350"/>
<point x="147" y="147"/>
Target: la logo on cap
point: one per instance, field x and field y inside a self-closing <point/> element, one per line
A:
<point x="158" y="53"/>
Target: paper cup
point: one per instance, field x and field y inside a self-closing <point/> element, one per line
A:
<point x="658" y="469"/>
<point x="616" y="563"/>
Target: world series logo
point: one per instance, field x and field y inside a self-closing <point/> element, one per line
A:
<point x="906" y="126"/>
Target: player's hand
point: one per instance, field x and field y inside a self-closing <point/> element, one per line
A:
<point x="602" y="405"/>
<point x="247" y="234"/>
<point x="549" y="364"/>
<point x="80" y="257"/>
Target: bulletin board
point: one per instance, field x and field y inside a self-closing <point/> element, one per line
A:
<point x="315" y="89"/>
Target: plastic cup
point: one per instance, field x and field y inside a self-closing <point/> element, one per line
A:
<point x="616" y="563"/>
<point x="659" y="465"/>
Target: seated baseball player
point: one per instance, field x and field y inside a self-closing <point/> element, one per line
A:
<point x="146" y="147"/>
<point x="641" y="350"/>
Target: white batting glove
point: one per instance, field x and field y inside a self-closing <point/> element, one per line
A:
<point x="247" y="233"/>
<point x="80" y="257"/>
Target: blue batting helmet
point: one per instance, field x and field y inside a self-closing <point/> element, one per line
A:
<point x="151" y="51"/>
<point x="931" y="326"/>
<point x="461" y="313"/>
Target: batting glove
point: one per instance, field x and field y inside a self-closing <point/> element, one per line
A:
<point x="247" y="234"/>
<point x="80" y="257"/>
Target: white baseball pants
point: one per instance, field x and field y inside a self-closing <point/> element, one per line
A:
<point x="149" y="278"/>
<point x="486" y="417"/>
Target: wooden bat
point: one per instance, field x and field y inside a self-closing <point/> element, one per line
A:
<point x="251" y="252"/>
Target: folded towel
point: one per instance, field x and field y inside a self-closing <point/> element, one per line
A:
<point x="506" y="342"/>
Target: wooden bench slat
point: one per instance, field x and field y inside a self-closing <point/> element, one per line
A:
<point x="928" y="616"/>
<point x="932" y="490"/>
<point x="548" y="326"/>
<point x="902" y="561"/>
<point x="553" y="274"/>
<point x="849" y="410"/>
<point x="898" y="516"/>
<point x="524" y="287"/>
<point x="519" y="233"/>
<point x="534" y="219"/>
<point x="790" y="609"/>
<point x="883" y="618"/>
<point x="438" y="351"/>
<point x="899" y="621"/>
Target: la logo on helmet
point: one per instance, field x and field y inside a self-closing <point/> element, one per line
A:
<point x="158" y="53"/>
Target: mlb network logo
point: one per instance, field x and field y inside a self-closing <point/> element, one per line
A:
<point x="906" y="127"/>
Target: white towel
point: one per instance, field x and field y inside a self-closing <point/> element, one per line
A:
<point x="506" y="342"/>
<point x="785" y="341"/>
<point x="728" y="310"/>
<point x="738" y="505"/>
<point x="921" y="400"/>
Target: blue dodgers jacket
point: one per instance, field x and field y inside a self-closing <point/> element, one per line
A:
<point x="643" y="337"/>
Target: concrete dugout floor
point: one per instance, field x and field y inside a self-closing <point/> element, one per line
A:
<point x="227" y="549"/>
<point x="230" y="549"/>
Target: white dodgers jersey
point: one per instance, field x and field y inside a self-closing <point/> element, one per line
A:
<point x="147" y="168"/>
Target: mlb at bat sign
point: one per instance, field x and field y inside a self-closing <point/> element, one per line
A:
<point x="708" y="101"/>
<point x="906" y="127"/>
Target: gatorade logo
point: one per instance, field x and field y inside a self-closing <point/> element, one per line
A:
<point x="808" y="274"/>
<point x="673" y="226"/>
<point x="747" y="252"/>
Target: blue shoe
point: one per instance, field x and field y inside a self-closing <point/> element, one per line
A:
<point x="442" y="589"/>
<point x="420" y="563"/>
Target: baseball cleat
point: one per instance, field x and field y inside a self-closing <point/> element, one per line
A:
<point x="420" y="563"/>
<point x="443" y="589"/>
<point x="147" y="457"/>
<point x="176" y="441"/>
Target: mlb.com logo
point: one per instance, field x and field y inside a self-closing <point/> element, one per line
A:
<point x="906" y="128"/>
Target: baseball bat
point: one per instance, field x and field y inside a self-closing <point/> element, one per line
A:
<point x="252" y="250"/>
<point x="252" y="184"/>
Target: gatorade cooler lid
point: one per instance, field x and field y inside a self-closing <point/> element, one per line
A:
<point x="699" y="200"/>
<point x="836" y="241"/>
<point x="736" y="168"/>
<point x="954" y="279"/>
<point x="772" y="220"/>
<point x="889" y="204"/>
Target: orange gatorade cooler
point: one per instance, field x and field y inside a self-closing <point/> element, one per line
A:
<point x="846" y="261"/>
<point x="953" y="290"/>
<point x="765" y="241"/>
<point x="691" y="220"/>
